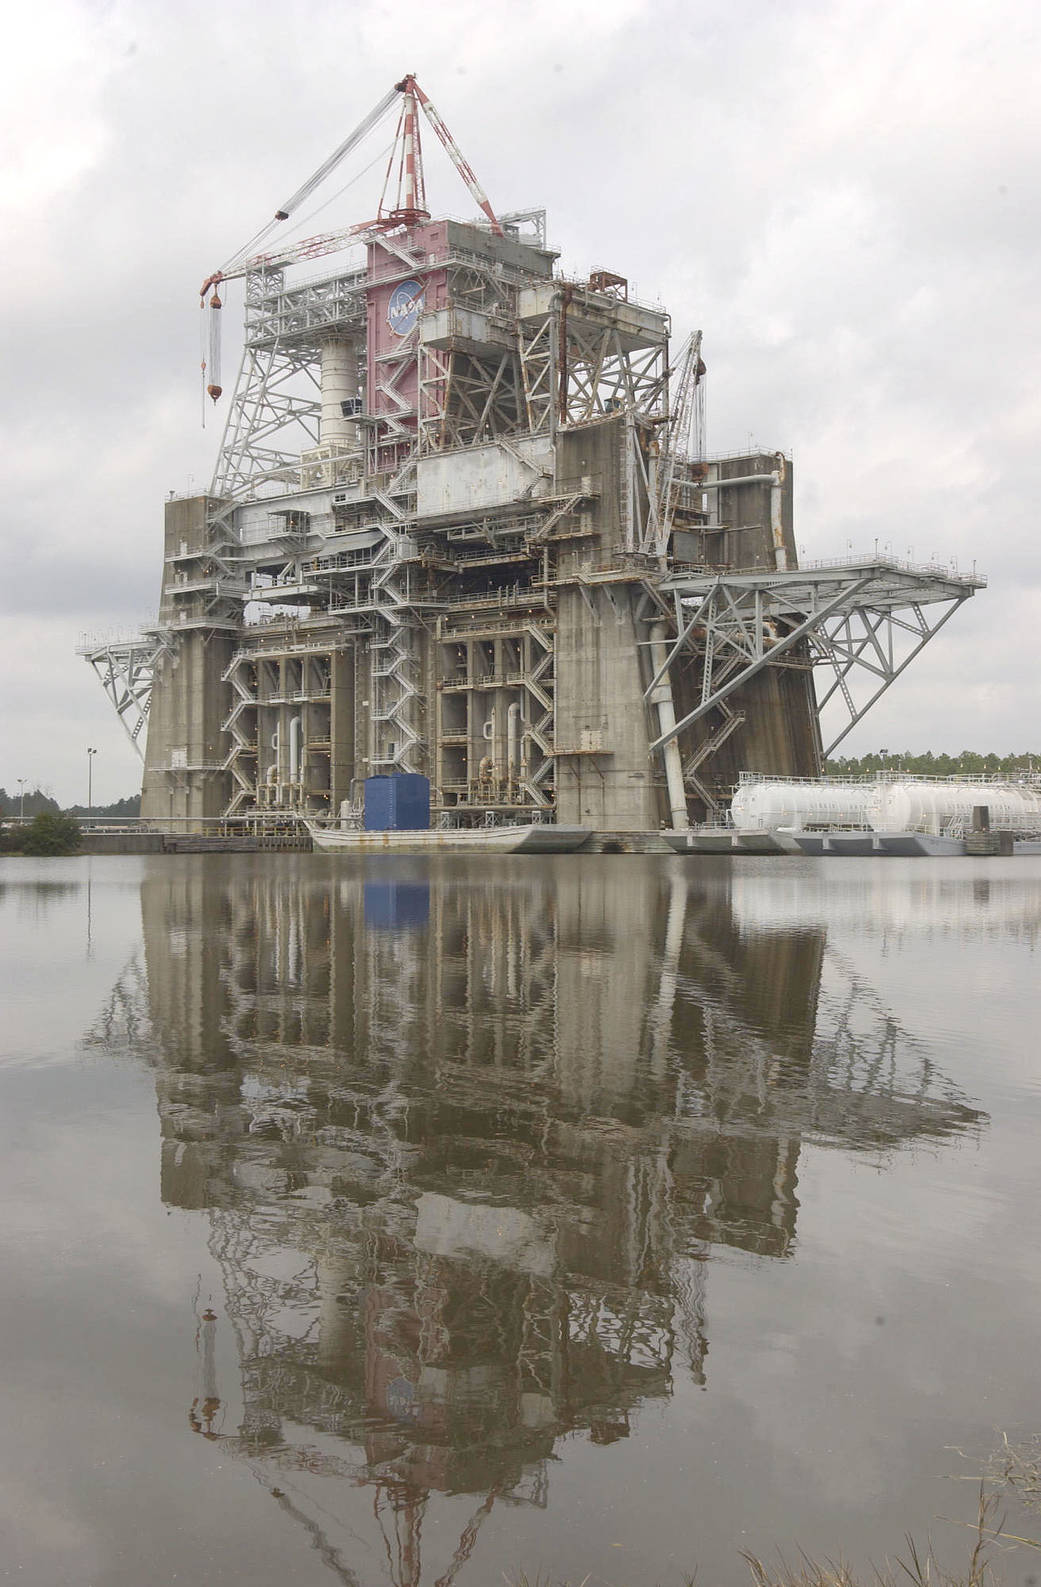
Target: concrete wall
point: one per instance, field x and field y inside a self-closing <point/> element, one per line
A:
<point x="610" y="782"/>
<point x="481" y="476"/>
<point x="122" y="843"/>
<point x="601" y="657"/>
<point x="781" y="734"/>
<point x="185" y="745"/>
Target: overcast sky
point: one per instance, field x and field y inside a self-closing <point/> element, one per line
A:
<point x="844" y="197"/>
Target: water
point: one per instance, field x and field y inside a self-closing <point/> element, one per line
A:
<point x="408" y="1221"/>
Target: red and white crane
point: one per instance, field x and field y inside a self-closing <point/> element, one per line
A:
<point x="408" y="210"/>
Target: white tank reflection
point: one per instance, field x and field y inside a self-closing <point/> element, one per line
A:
<point x="887" y="898"/>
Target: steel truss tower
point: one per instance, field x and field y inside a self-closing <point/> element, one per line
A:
<point x="460" y="524"/>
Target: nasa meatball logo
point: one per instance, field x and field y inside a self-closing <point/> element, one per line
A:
<point x="404" y="307"/>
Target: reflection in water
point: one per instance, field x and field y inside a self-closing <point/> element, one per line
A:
<point x="390" y="905"/>
<point x="35" y="901"/>
<point x="928" y="902"/>
<point x="466" y="1146"/>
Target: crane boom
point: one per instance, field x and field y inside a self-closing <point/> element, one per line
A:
<point x="682" y="438"/>
<point x="284" y="211"/>
<point x="292" y="253"/>
<point x="462" y="165"/>
<point x="408" y="212"/>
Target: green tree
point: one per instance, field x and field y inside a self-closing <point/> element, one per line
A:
<point x="130" y="806"/>
<point x="928" y="764"/>
<point x="51" y="833"/>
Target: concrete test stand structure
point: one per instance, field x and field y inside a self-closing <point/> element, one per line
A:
<point x="461" y="524"/>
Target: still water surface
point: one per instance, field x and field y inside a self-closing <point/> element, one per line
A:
<point x="413" y="1221"/>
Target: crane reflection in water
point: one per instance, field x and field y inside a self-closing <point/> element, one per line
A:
<point x="466" y="1141"/>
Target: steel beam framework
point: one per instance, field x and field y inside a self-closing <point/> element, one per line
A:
<point x="862" y="623"/>
<point x="275" y="409"/>
<point x="126" y="670"/>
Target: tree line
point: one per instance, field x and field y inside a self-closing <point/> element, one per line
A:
<point x="47" y="828"/>
<point x="11" y="804"/>
<point x="968" y="763"/>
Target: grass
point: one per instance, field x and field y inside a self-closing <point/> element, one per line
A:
<point x="921" y="1569"/>
<point x="1012" y="1471"/>
<point x="1017" y="1469"/>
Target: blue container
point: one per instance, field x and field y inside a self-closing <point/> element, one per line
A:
<point x="397" y="804"/>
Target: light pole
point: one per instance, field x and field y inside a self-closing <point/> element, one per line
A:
<point x="21" y="798"/>
<point x="90" y="780"/>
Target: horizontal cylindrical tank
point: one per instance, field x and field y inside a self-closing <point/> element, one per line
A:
<point x="938" y="806"/>
<point x="907" y="805"/>
<point x="767" y="806"/>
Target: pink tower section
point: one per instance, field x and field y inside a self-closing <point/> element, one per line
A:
<point x="396" y="298"/>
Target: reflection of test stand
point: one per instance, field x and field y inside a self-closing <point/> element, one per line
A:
<point x="395" y="1500"/>
<point x="205" y="1407"/>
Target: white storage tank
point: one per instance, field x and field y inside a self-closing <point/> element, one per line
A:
<point x="940" y="806"/>
<point x="770" y="806"/>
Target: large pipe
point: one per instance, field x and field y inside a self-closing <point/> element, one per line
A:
<point x="491" y="735"/>
<point x="777" y="516"/>
<point x="339" y="384"/>
<point x="661" y="696"/>
<point x="513" y="741"/>
<point x="295" y="726"/>
<point x="741" y="479"/>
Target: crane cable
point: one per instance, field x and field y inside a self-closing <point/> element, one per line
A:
<point x="285" y="210"/>
<point x="212" y="345"/>
<point x="387" y="147"/>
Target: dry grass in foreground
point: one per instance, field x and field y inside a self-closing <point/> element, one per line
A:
<point x="1017" y="1469"/>
<point x="921" y="1570"/>
<point x="1014" y="1469"/>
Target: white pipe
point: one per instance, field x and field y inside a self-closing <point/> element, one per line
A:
<point x="661" y="696"/>
<point x="295" y="726"/>
<point x="491" y="734"/>
<point x="777" y="516"/>
<point x="512" y="740"/>
<point x="274" y="775"/>
<point x="742" y="479"/>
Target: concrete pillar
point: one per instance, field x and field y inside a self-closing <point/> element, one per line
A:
<point x="186" y="746"/>
<point x="662" y="698"/>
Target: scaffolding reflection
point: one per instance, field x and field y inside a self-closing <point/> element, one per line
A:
<point x="466" y="1142"/>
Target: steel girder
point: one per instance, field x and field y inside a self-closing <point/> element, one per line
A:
<point x="126" y="670"/>
<point x="276" y="406"/>
<point x="577" y="365"/>
<point x="603" y="376"/>
<point x="268" y="416"/>
<point x="303" y="314"/>
<point x="863" y="621"/>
